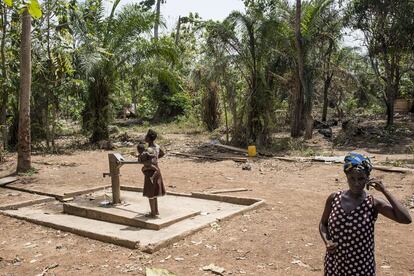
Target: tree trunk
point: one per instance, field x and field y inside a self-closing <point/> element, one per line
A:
<point x="326" y="85"/>
<point x="308" y="105"/>
<point x="5" y="95"/>
<point x="134" y="86"/>
<point x="390" y="104"/>
<point x="301" y="86"/>
<point x="157" y="19"/>
<point x="100" y="108"/>
<point x="48" y="89"/>
<point x="305" y="83"/>
<point x="231" y="95"/>
<point x="253" y="127"/>
<point x="177" y="33"/>
<point x="296" y="109"/>
<point x="24" y="143"/>
<point x="226" y="118"/>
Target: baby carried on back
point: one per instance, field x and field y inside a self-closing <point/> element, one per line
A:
<point x="150" y="161"/>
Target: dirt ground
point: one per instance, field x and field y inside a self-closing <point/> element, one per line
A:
<point x="280" y="238"/>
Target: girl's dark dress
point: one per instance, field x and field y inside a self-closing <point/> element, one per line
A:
<point x="354" y="233"/>
<point x="153" y="184"/>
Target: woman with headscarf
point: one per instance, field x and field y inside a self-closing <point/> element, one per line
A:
<point x="347" y="224"/>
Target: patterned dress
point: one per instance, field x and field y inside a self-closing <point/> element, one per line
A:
<point x="354" y="234"/>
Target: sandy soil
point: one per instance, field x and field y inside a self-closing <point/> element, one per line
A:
<point x="280" y="238"/>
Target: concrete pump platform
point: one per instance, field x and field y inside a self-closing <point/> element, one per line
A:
<point x="132" y="212"/>
<point x="125" y="224"/>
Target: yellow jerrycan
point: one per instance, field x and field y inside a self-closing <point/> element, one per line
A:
<point x="251" y="151"/>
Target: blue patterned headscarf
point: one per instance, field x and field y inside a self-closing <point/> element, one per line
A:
<point x="355" y="160"/>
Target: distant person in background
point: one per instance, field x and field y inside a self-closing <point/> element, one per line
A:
<point x="347" y="224"/>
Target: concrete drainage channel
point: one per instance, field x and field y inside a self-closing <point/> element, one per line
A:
<point x="124" y="224"/>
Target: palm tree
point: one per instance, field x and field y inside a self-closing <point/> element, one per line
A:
<point x="307" y="31"/>
<point x="5" y="93"/>
<point x="249" y="40"/>
<point x="106" y="44"/>
<point x="157" y="18"/>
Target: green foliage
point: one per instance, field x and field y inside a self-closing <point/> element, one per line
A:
<point x="211" y="108"/>
<point x="387" y="28"/>
<point x="8" y="2"/>
<point x="34" y="9"/>
<point x="88" y="66"/>
<point x="168" y="95"/>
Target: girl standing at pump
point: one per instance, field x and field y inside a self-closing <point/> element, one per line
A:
<point x="153" y="184"/>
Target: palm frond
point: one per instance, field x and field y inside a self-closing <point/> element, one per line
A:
<point x="130" y="23"/>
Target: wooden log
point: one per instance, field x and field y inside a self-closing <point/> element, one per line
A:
<point x="241" y="150"/>
<point x="230" y="148"/>
<point x="216" y="158"/>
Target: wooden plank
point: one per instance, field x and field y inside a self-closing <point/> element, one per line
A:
<point x="7" y="180"/>
<point x="223" y="191"/>
<point x="329" y="159"/>
<point x="293" y="159"/>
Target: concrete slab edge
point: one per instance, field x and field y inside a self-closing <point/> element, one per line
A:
<point x="89" y="213"/>
<point x="58" y="196"/>
<point x="246" y="209"/>
<point x="151" y="248"/>
<point x="87" y="191"/>
<point x="25" y="203"/>
<point x="7" y="180"/>
<point x="32" y="192"/>
<point x="139" y="189"/>
<point x="207" y="196"/>
<point x="87" y="234"/>
<point x="225" y="198"/>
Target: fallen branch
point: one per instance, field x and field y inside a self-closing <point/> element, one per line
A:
<point x="216" y="158"/>
<point x="393" y="169"/>
<point x="336" y="160"/>
<point x="47" y="268"/>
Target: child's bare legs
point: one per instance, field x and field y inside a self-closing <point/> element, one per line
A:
<point x="152" y="203"/>
<point x="156" y="207"/>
